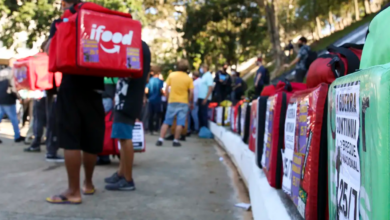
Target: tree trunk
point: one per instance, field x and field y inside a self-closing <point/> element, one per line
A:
<point x="357" y="12"/>
<point x="319" y="29"/>
<point x="367" y="7"/>
<point x="273" y="30"/>
<point x="331" y="22"/>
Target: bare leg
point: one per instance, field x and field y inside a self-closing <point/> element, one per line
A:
<point x="178" y="132"/>
<point x="121" y="171"/>
<point x="164" y="130"/>
<point x="73" y="165"/>
<point x="127" y="157"/>
<point x="89" y="166"/>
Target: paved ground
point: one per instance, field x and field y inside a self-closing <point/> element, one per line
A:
<point x="172" y="183"/>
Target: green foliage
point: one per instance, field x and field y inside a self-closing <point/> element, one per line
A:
<point x="223" y="31"/>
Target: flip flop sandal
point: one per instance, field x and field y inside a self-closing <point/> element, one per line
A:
<point x="63" y="200"/>
<point x="89" y="193"/>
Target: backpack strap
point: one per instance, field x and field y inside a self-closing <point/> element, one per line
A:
<point x="352" y="60"/>
<point x="73" y="10"/>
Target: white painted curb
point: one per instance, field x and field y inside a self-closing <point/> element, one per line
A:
<point x="265" y="201"/>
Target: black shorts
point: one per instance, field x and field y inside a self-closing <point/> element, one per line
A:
<point x="80" y="117"/>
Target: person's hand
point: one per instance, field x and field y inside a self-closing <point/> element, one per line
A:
<point x="286" y="66"/>
<point x="204" y="102"/>
<point x="191" y="106"/>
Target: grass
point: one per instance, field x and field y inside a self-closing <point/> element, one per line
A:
<point x="326" y="41"/>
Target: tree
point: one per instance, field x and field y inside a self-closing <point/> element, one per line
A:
<point x="223" y="31"/>
<point x="270" y="7"/>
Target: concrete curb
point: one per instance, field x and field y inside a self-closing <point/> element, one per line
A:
<point x="265" y="201"/>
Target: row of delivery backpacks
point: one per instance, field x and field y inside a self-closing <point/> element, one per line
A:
<point x="326" y="143"/>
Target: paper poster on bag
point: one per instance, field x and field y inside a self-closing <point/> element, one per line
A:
<point x="347" y="150"/>
<point x="138" y="138"/>
<point x="289" y="143"/>
<point x="219" y="115"/>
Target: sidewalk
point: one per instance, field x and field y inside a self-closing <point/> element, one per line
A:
<point x="172" y="183"/>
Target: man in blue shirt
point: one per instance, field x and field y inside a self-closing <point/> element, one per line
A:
<point x="205" y="89"/>
<point x="154" y="92"/>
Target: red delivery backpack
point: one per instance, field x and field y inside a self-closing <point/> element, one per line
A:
<point x="211" y="111"/>
<point x="305" y="152"/>
<point x="32" y="73"/>
<point x="339" y="62"/>
<point x="253" y="126"/>
<point x="262" y="118"/>
<point x="273" y="143"/>
<point x="111" y="145"/>
<point x="93" y="40"/>
<point x="268" y="90"/>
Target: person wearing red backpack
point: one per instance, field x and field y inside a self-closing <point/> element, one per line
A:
<point x="80" y="121"/>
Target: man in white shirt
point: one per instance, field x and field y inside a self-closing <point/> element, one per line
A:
<point x="204" y="95"/>
<point x="194" y="112"/>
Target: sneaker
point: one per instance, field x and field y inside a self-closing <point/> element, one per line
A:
<point x="159" y="143"/>
<point x="57" y="159"/>
<point x="113" y="179"/>
<point x="20" y="139"/>
<point x="176" y="144"/>
<point x="121" y="185"/>
<point x="33" y="150"/>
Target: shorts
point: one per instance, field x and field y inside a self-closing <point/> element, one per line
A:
<point x="80" y="120"/>
<point x="122" y="131"/>
<point x="179" y="110"/>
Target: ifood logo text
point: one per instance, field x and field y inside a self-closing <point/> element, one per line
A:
<point x="98" y="33"/>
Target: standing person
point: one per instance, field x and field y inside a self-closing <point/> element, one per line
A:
<point x="238" y="87"/>
<point x="38" y="122"/>
<point x="179" y="99"/>
<point x="80" y="118"/>
<point x="261" y="77"/>
<point x="128" y="107"/>
<point x="194" y="112"/>
<point x="223" y="84"/>
<point x="205" y="94"/>
<point x="8" y="97"/>
<point x="301" y="60"/>
<point x="154" y="92"/>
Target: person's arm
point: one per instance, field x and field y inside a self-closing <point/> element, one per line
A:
<point x="210" y="90"/>
<point x="13" y="87"/>
<point x="168" y="85"/>
<point x="258" y="77"/>
<point x="147" y="89"/>
<point x="236" y="86"/>
<point x="191" y="94"/>
<point x="295" y="61"/>
<point x="53" y="30"/>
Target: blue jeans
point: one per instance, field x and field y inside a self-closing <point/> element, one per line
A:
<point x="179" y="110"/>
<point x="194" y="115"/>
<point x="10" y="111"/>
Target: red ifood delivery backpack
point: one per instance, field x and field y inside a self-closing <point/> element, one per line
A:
<point x="32" y="73"/>
<point x="93" y="40"/>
